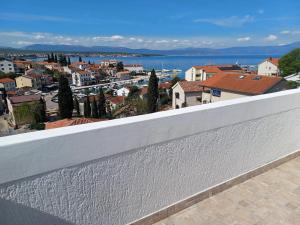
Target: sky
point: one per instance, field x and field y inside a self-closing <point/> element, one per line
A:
<point x="153" y="24"/>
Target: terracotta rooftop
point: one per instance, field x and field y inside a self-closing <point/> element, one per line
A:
<point x="24" y="98"/>
<point x="247" y="84"/>
<point x="275" y="61"/>
<point x="190" y="86"/>
<point x="70" y="122"/>
<point x="6" y="80"/>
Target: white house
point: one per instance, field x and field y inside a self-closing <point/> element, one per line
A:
<point x="186" y="93"/>
<point x="201" y="73"/>
<point x="137" y="68"/>
<point x="123" y="92"/>
<point x="269" y="67"/>
<point x="106" y="63"/>
<point x="7" y="66"/>
<point x="81" y="78"/>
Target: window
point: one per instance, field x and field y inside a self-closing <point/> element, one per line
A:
<point x="177" y="95"/>
<point x="177" y="106"/>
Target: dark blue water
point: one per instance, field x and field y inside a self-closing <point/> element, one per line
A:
<point x="182" y="62"/>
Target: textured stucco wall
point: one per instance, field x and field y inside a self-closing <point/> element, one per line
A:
<point x="189" y="154"/>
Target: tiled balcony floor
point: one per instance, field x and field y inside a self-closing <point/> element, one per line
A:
<point x="272" y="198"/>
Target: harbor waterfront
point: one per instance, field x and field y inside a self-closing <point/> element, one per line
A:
<point x="182" y="63"/>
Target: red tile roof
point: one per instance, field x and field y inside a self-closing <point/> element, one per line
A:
<point x="117" y="99"/>
<point x="165" y="85"/>
<point x="275" y="61"/>
<point x="24" y="98"/>
<point x="191" y="86"/>
<point x="209" y="69"/>
<point x="242" y="83"/>
<point x="70" y="122"/>
<point x="6" y="80"/>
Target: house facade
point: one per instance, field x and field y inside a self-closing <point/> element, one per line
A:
<point x="186" y="93"/>
<point x="269" y="67"/>
<point x="7" y="84"/>
<point x="33" y="81"/>
<point x="7" y="66"/>
<point x="137" y="68"/>
<point x="81" y="78"/>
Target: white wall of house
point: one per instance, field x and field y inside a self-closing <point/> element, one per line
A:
<point x="134" y="68"/>
<point x="178" y="97"/>
<point x="87" y="175"/>
<point x="79" y="79"/>
<point x="225" y="95"/>
<point x="123" y="91"/>
<point x="194" y="74"/>
<point x="267" y="68"/>
<point x="7" y="66"/>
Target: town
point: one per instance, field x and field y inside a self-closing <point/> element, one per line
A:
<point x="57" y="92"/>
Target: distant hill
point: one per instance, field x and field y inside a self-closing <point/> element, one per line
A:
<point x="250" y="50"/>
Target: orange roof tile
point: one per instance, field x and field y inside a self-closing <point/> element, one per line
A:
<point x="70" y="122"/>
<point x="191" y="86"/>
<point x="275" y="61"/>
<point x="242" y="83"/>
<point x="6" y="80"/>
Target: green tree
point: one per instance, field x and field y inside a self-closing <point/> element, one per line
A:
<point x="108" y="110"/>
<point x="290" y="63"/>
<point x="69" y="61"/>
<point x="101" y="104"/>
<point x="152" y="92"/>
<point x="76" y="105"/>
<point x="52" y="57"/>
<point x="48" y="58"/>
<point x="95" y="109"/>
<point x="134" y="92"/>
<point x="65" y="98"/>
<point x="62" y="60"/>
<point x="120" y="66"/>
<point x="173" y="82"/>
<point x="87" y="107"/>
<point x="55" y="58"/>
<point x="79" y="59"/>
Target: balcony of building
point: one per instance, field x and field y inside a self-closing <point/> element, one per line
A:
<point x="172" y="167"/>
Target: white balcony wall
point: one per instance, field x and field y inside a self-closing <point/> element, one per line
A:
<point x="118" y="171"/>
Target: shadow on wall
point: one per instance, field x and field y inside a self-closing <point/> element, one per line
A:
<point x="12" y="213"/>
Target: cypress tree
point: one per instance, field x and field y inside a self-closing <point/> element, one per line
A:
<point x="48" y="58"/>
<point x="87" y="108"/>
<point x="108" y="110"/>
<point x="65" y="98"/>
<point x="102" y="104"/>
<point x="55" y="58"/>
<point x="52" y="57"/>
<point x="95" y="109"/>
<point x="80" y="59"/>
<point x="89" y="62"/>
<point x="69" y="61"/>
<point x="76" y="105"/>
<point x="152" y="92"/>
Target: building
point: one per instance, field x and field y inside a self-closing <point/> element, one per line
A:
<point x="116" y="101"/>
<point x="70" y="122"/>
<point x="123" y="91"/>
<point x="231" y="86"/>
<point x="201" y="73"/>
<point x="81" y="78"/>
<point x="32" y="80"/>
<point x="136" y="68"/>
<point x="7" y="66"/>
<point x="269" y="67"/>
<point x="22" y="108"/>
<point x="80" y="65"/>
<point x="7" y="84"/>
<point x="123" y="75"/>
<point x="186" y="93"/>
<point x="110" y="62"/>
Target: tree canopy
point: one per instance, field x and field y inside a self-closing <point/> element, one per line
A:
<point x="290" y="63"/>
<point x="65" y="98"/>
<point x="152" y="92"/>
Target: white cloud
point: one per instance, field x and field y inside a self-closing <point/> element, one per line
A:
<point x="244" y="39"/>
<point x="285" y="32"/>
<point x="117" y="37"/>
<point x="233" y="21"/>
<point x="33" y="17"/>
<point x="271" y="37"/>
